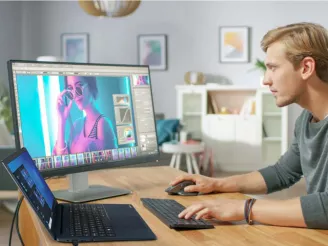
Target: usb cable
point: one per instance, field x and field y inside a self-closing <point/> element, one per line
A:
<point x="15" y="219"/>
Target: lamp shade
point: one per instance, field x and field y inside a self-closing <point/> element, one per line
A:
<point x="109" y="8"/>
<point x="48" y="58"/>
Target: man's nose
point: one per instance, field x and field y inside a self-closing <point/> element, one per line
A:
<point x="266" y="80"/>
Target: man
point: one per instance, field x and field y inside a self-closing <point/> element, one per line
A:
<point x="297" y="72"/>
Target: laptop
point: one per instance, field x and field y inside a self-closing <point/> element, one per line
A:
<point x="67" y="222"/>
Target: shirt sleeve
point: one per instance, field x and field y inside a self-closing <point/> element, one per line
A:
<point x="287" y="171"/>
<point x="315" y="210"/>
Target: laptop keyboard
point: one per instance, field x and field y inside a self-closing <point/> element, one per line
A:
<point x="167" y="210"/>
<point x="89" y="220"/>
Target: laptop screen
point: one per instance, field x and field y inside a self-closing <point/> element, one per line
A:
<point x="33" y="186"/>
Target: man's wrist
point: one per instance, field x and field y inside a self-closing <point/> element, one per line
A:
<point x="228" y="184"/>
<point x="217" y="185"/>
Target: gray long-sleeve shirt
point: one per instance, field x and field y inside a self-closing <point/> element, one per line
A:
<point x="308" y="156"/>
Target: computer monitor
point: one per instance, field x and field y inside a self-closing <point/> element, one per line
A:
<point x="76" y="117"/>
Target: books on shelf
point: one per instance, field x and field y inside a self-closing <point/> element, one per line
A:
<point x="213" y="107"/>
<point x="248" y="107"/>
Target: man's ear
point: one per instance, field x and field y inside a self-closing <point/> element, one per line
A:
<point x="307" y="67"/>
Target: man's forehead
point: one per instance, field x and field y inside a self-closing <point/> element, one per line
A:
<point x="275" y="51"/>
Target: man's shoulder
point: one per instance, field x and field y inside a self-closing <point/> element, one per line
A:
<point x="303" y="117"/>
<point x="302" y="121"/>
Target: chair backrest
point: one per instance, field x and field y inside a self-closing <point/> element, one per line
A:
<point x="166" y="130"/>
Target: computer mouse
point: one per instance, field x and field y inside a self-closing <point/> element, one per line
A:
<point x="178" y="189"/>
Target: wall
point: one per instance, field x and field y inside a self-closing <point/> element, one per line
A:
<point x="10" y="47"/>
<point x="32" y="21"/>
<point x="10" y="35"/>
<point x="192" y="29"/>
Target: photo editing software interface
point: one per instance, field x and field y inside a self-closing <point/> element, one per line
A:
<point x="80" y="114"/>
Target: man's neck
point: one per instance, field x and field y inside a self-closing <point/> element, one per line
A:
<point x="315" y="100"/>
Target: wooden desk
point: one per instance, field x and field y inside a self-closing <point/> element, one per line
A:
<point x="151" y="182"/>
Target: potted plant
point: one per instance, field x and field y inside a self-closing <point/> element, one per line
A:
<point x="5" y="108"/>
<point x="260" y="65"/>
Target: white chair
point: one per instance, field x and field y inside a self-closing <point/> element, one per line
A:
<point x="178" y="149"/>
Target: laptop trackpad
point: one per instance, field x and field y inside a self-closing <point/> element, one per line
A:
<point x="127" y="223"/>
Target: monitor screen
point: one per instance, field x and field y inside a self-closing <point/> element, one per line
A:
<point x="73" y="116"/>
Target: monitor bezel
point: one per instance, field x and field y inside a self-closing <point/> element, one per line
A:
<point x="86" y="167"/>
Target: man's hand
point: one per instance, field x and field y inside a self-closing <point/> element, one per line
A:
<point x="203" y="184"/>
<point x="220" y="209"/>
<point x="271" y="212"/>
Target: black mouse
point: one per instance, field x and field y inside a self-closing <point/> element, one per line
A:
<point x="178" y="189"/>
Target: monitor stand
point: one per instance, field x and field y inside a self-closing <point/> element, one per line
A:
<point x="80" y="191"/>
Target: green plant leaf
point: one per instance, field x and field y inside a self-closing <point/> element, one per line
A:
<point x="259" y="64"/>
<point x="5" y="107"/>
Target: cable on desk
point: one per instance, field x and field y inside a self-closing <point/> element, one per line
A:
<point x="17" y="222"/>
<point x="13" y="222"/>
<point x="75" y="243"/>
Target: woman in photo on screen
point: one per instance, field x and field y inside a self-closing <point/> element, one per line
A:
<point x="90" y="133"/>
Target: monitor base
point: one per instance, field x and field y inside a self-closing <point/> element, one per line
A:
<point x="92" y="193"/>
<point x="80" y="190"/>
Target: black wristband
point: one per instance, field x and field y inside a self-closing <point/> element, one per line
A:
<point x="246" y="209"/>
<point x="249" y="211"/>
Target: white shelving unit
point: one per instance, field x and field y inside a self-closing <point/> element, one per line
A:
<point x="272" y="114"/>
<point x="191" y="108"/>
<point x="274" y="121"/>
<point x="237" y="140"/>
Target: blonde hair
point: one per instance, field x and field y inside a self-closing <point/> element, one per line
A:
<point x="302" y="40"/>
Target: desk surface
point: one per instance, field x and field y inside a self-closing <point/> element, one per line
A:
<point x="151" y="182"/>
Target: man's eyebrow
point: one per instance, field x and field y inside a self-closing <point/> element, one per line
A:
<point x="269" y="64"/>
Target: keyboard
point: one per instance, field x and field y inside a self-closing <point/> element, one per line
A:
<point x="167" y="211"/>
<point x="89" y="220"/>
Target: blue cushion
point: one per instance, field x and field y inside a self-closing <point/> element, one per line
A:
<point x="166" y="129"/>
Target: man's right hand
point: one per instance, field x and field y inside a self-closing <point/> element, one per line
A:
<point x="203" y="184"/>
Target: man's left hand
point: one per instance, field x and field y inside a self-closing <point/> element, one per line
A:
<point x="220" y="209"/>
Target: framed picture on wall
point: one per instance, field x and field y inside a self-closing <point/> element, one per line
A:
<point x="75" y="47"/>
<point x="234" y="44"/>
<point x="152" y="51"/>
